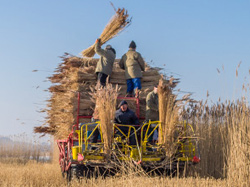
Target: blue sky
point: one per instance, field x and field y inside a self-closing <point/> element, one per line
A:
<point x="189" y="38"/>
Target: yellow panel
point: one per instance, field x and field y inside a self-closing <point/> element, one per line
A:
<point x="151" y="159"/>
<point x="94" y="157"/>
<point x="75" y="151"/>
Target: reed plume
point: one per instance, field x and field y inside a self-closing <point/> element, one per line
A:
<point x="168" y="114"/>
<point x="105" y="99"/>
<point x="116" y="24"/>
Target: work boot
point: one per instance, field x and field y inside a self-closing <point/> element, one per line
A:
<point x="137" y="93"/>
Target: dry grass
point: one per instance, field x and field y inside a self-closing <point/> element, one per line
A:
<point x="74" y="75"/>
<point x="168" y="115"/>
<point x="20" y="148"/>
<point x="117" y="23"/>
<point x="238" y="155"/>
<point x="38" y="174"/>
<point x="223" y="129"/>
<point x="105" y="100"/>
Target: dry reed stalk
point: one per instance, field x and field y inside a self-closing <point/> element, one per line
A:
<point x="76" y="74"/>
<point x="239" y="144"/>
<point x="117" y="23"/>
<point x="210" y="126"/>
<point x="105" y="99"/>
<point x="168" y="116"/>
<point x="224" y="132"/>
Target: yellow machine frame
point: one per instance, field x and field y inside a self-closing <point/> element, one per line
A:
<point x="142" y="151"/>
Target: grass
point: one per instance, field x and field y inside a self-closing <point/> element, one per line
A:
<point x="45" y="174"/>
<point x="20" y="148"/>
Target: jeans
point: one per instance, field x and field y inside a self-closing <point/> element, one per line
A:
<point x="132" y="84"/>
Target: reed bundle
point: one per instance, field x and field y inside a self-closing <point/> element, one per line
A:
<point x="105" y="99"/>
<point x="116" y="24"/>
<point x="75" y="75"/>
<point x="168" y="115"/>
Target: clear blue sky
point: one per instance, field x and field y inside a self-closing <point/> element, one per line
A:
<point x="190" y="38"/>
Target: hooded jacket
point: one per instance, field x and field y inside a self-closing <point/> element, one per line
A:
<point x="126" y="118"/>
<point x="106" y="61"/>
<point x="133" y="64"/>
<point x="152" y="107"/>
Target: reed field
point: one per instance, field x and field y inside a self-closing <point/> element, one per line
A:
<point x="224" y="144"/>
<point x="45" y="174"/>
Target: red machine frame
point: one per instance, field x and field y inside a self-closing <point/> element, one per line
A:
<point x="66" y="144"/>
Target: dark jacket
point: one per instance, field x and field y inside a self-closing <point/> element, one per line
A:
<point x="126" y="118"/>
<point x="152" y="107"/>
<point x="133" y="64"/>
<point x="105" y="63"/>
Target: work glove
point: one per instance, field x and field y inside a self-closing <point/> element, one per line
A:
<point x="98" y="40"/>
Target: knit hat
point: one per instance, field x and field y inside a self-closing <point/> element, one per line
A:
<point x="109" y="47"/>
<point x="132" y="45"/>
<point x="123" y="102"/>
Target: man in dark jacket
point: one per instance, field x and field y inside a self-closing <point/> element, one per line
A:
<point x="105" y="64"/>
<point x="133" y="64"/>
<point x="125" y="116"/>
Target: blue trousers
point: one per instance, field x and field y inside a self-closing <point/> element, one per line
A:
<point x="132" y="84"/>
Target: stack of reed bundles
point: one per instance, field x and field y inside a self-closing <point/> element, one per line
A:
<point x="77" y="74"/>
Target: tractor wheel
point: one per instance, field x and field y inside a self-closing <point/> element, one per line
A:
<point x="72" y="173"/>
<point x="69" y="175"/>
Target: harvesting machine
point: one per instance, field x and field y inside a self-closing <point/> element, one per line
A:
<point x="80" y="158"/>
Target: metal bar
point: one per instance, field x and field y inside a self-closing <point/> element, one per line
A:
<point x="115" y="125"/>
<point x="129" y="129"/>
<point x="153" y="130"/>
<point x="146" y="133"/>
<point x="91" y="134"/>
<point x="78" y="110"/>
<point x="138" y="108"/>
<point x="137" y="145"/>
<point x="86" y="136"/>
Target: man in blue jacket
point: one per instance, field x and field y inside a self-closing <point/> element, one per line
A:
<point x="125" y="116"/>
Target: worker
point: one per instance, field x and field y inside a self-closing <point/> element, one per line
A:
<point x="125" y="116"/>
<point x="95" y="131"/>
<point x="152" y="112"/>
<point x="133" y="64"/>
<point x="152" y="105"/>
<point x="105" y="64"/>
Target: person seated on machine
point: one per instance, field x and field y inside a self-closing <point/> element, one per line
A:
<point x="96" y="134"/>
<point x="125" y="116"/>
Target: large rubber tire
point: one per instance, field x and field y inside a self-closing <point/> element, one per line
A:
<point x="69" y="175"/>
<point x="72" y="174"/>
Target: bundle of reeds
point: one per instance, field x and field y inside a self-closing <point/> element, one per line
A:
<point x="75" y="75"/>
<point x="116" y="24"/>
<point x="168" y="115"/>
<point x="105" y="105"/>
